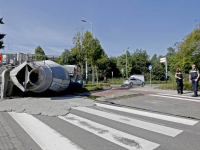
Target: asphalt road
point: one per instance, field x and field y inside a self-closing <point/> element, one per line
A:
<point x="105" y="127"/>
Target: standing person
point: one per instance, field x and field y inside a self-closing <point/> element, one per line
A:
<point x="179" y="80"/>
<point x="194" y="79"/>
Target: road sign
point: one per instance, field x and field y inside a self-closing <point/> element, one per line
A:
<point x="162" y="59"/>
<point x="122" y="70"/>
<point x="150" y="67"/>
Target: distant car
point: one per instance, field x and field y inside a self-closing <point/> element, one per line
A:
<point x="138" y="76"/>
<point x="134" y="81"/>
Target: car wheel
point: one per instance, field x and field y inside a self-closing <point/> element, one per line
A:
<point x="131" y="84"/>
<point x="143" y="84"/>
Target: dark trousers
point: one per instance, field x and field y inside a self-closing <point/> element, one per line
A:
<point x="195" y="85"/>
<point x="179" y="86"/>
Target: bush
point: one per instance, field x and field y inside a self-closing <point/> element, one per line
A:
<point x="94" y="88"/>
<point x="159" y="82"/>
<point x="88" y="85"/>
<point x="118" y="81"/>
<point x="88" y="89"/>
<point x="104" y="84"/>
<point x="101" y="84"/>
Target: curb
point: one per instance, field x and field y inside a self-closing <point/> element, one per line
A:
<point x="123" y="97"/>
<point x="89" y="93"/>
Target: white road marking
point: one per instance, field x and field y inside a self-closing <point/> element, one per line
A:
<point x="120" y="138"/>
<point x="181" y="96"/>
<point x="133" y="122"/>
<point x="46" y="137"/>
<point x="149" y="114"/>
<point x="184" y="99"/>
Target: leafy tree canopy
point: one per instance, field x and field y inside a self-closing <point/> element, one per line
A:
<point x="188" y="51"/>
<point x="39" y="53"/>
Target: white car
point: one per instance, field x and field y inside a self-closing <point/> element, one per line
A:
<point x="133" y="81"/>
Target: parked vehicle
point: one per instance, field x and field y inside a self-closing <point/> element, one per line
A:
<point x="133" y="81"/>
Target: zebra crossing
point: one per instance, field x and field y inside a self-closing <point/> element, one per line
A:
<point x="49" y="138"/>
<point x="178" y="97"/>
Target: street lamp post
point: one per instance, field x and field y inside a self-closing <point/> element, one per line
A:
<point x="126" y="63"/>
<point x="88" y="22"/>
<point x="93" y="79"/>
<point x="86" y="72"/>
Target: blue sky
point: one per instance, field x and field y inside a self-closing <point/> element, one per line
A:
<point x="152" y="25"/>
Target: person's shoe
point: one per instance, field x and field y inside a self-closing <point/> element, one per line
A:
<point x="194" y="95"/>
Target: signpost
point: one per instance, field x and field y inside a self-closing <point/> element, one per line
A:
<point x="150" y="67"/>
<point x="164" y="59"/>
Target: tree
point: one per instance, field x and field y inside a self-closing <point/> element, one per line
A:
<point x="188" y="51"/>
<point x="170" y="51"/>
<point x="141" y="61"/>
<point x="170" y="56"/>
<point x="1" y="35"/>
<point x="158" y="69"/>
<point x="68" y="58"/>
<point x="39" y="54"/>
<point x="121" y="63"/>
<point x="78" y="51"/>
<point x="93" y="51"/>
<point x="113" y="68"/>
<point x="103" y="66"/>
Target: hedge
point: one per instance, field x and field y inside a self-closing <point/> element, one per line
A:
<point x="159" y="82"/>
<point x="104" y="84"/>
<point x="173" y="86"/>
<point x="88" y="89"/>
<point x="101" y="84"/>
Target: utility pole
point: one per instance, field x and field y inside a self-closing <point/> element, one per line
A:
<point x="126" y="63"/>
<point x="93" y="77"/>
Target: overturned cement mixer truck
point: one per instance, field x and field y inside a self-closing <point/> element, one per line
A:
<point x="23" y="72"/>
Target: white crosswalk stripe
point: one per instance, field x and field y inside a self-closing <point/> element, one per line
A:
<point x="42" y="134"/>
<point x="120" y="138"/>
<point x="149" y="114"/>
<point x="133" y="122"/>
<point x="179" y="98"/>
<point x="49" y="139"/>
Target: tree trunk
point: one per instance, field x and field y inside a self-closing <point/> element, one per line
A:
<point x="93" y="77"/>
<point x="82" y="74"/>
<point x="97" y="76"/>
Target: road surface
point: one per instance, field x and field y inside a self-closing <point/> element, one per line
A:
<point x="108" y="127"/>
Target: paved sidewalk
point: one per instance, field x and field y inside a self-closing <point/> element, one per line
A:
<point x="8" y="140"/>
